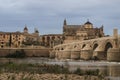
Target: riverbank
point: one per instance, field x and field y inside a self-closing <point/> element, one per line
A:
<point x="52" y="66"/>
<point x="14" y="71"/>
<point x="47" y="76"/>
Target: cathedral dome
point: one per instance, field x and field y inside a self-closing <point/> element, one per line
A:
<point x="88" y="22"/>
<point x="25" y="28"/>
<point x="88" y="25"/>
<point x="36" y="31"/>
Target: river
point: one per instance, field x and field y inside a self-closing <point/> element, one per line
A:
<point x="109" y="69"/>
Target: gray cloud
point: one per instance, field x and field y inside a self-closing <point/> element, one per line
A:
<point x="48" y="15"/>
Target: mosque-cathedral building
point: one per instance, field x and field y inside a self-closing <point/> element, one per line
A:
<point x="81" y="32"/>
<point x="70" y="33"/>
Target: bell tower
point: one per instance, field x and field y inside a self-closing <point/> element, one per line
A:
<point x="64" y="26"/>
<point x="65" y="22"/>
<point x="25" y="29"/>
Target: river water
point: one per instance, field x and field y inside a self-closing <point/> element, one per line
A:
<point x="109" y="69"/>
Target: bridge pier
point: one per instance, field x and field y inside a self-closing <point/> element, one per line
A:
<point x="66" y="54"/>
<point x="52" y="54"/>
<point x="113" y="54"/>
<point x="86" y="53"/>
<point x="59" y="54"/>
<point x="99" y="55"/>
<point x="75" y="54"/>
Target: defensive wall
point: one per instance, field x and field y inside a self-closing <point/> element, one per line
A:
<point x="30" y="52"/>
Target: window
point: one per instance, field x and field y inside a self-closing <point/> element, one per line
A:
<point x="2" y="42"/>
<point x="4" y="36"/>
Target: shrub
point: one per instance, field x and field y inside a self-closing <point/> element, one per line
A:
<point x="92" y="72"/>
<point x="78" y="71"/>
<point x="95" y="58"/>
<point x="17" y="54"/>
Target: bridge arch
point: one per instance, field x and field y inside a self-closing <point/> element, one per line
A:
<point x="62" y="48"/>
<point x="107" y="44"/>
<point x="95" y="46"/>
<point x="83" y="46"/>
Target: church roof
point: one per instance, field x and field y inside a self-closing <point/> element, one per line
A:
<point x="36" y="30"/>
<point x="73" y="26"/>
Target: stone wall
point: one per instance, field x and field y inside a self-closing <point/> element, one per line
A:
<point x="28" y="52"/>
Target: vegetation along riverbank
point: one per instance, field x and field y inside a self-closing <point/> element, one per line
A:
<point x="13" y="71"/>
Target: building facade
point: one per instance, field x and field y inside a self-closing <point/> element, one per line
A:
<point x="11" y="39"/>
<point x="19" y="39"/>
<point x="51" y="40"/>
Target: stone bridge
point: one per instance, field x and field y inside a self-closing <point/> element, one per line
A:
<point x="88" y="49"/>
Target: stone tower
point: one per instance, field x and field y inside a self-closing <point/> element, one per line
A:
<point x="115" y="33"/>
<point x="25" y="29"/>
<point x="64" y="26"/>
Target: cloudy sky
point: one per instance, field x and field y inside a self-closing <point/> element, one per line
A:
<point x="48" y="15"/>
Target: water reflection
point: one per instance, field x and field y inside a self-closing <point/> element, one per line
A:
<point x="110" y="70"/>
<point x="114" y="71"/>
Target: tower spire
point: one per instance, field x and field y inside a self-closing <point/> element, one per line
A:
<point x="65" y="22"/>
<point x="87" y="20"/>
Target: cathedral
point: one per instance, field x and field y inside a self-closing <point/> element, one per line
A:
<point x="81" y="32"/>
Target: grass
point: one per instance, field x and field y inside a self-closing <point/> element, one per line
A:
<point x="32" y="68"/>
<point x="42" y="69"/>
<point x="86" y="72"/>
